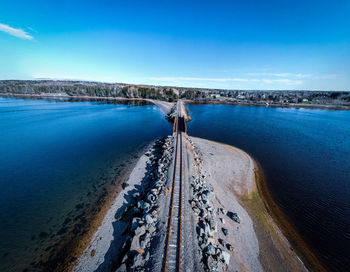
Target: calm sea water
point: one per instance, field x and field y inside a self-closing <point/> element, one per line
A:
<point x="305" y="155"/>
<point x="56" y="160"/>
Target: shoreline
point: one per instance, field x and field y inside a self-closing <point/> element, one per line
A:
<point x="73" y="249"/>
<point x="102" y="235"/>
<point x="302" y="249"/>
<point x="164" y="106"/>
<point x="295" y="106"/>
<point x="152" y="101"/>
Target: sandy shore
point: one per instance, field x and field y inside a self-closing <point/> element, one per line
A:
<point x="259" y="243"/>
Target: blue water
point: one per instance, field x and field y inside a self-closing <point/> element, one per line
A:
<point x="56" y="160"/>
<point x="305" y="154"/>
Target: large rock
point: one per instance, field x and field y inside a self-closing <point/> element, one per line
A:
<point x="196" y="210"/>
<point x="151" y="198"/>
<point x="143" y="205"/>
<point x="140" y="230"/>
<point x="145" y="240"/>
<point x="210" y="250"/>
<point x="149" y="219"/>
<point x="212" y="263"/>
<point x="230" y="247"/>
<point x="135" y="244"/>
<point x="151" y="228"/>
<point x="225" y="257"/>
<point x="208" y="195"/>
<point x="234" y="217"/>
<point x="213" y="222"/>
<point x="138" y="260"/>
<point x="147" y="256"/>
<point x="201" y="232"/>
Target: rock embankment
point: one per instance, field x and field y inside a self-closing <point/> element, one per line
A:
<point x="143" y="212"/>
<point x="183" y="112"/>
<point x="172" y="113"/>
<point x="214" y="256"/>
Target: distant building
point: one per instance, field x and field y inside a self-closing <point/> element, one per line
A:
<point x="215" y="95"/>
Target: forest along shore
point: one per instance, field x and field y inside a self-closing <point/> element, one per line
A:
<point x="84" y="89"/>
<point x="226" y="224"/>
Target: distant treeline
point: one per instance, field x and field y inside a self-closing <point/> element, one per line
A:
<point x="98" y="89"/>
<point x="268" y="96"/>
<point x="76" y="88"/>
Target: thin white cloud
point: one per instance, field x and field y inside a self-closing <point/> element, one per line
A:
<point x="329" y="76"/>
<point x="284" y="80"/>
<point x="248" y="80"/>
<point x="17" y="32"/>
<point x="299" y="75"/>
<point x="303" y="75"/>
<point x="200" y="79"/>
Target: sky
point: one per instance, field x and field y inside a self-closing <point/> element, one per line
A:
<point x="237" y="44"/>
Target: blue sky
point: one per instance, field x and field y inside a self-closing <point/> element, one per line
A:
<point x="215" y="44"/>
